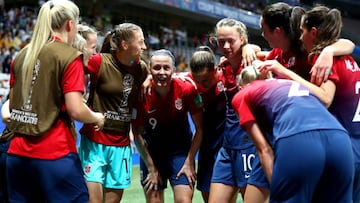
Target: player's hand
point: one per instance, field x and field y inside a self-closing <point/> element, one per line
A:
<point x="152" y="181"/>
<point x="223" y="60"/>
<point x="322" y="68"/>
<point x="189" y="171"/>
<point x="146" y="87"/>
<point x="272" y="66"/>
<point x="99" y="124"/>
<point x="248" y="55"/>
<point x="184" y="76"/>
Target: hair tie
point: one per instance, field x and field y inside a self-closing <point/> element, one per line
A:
<point x="51" y="4"/>
<point x="164" y="52"/>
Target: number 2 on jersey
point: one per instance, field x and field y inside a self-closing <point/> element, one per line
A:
<point x="357" y="112"/>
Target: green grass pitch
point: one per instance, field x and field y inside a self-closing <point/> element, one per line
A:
<point x="135" y="194"/>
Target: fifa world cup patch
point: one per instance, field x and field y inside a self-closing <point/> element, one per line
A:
<point x="87" y="168"/>
<point x="198" y="101"/>
<point x="178" y="104"/>
<point x="292" y="61"/>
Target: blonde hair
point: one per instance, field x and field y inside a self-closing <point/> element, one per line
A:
<point x="52" y="16"/>
<point x="121" y="32"/>
<point x="85" y="30"/>
<point x="239" y="26"/>
<point x="251" y="73"/>
<point x="79" y="43"/>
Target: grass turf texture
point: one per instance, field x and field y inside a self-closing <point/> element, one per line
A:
<point x="135" y="193"/>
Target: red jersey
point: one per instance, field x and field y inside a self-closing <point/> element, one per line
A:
<point x="231" y="78"/>
<point x="298" y="63"/>
<point x="165" y="119"/>
<point x="345" y="74"/>
<point x="58" y="141"/>
<point x="214" y="100"/>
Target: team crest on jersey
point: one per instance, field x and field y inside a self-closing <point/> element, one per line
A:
<point x="220" y="86"/>
<point x="178" y="104"/>
<point x="128" y="80"/>
<point x="291" y="61"/>
<point x="87" y="168"/>
<point x="238" y="79"/>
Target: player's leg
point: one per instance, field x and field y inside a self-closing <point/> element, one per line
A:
<point x="95" y="192"/>
<point x="256" y="194"/>
<point x="257" y="189"/>
<point x="224" y="185"/>
<point x="298" y="166"/>
<point x="119" y="172"/>
<point x="154" y="196"/>
<point x="23" y="185"/>
<point x="4" y="145"/>
<point x="93" y="161"/>
<point x="113" y="195"/>
<point x="206" y="161"/>
<point x="62" y="180"/>
<point x="220" y="192"/>
<point x="336" y="184"/>
<point x="356" y="193"/>
<point x="183" y="191"/>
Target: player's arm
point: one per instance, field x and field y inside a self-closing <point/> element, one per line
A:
<point x="153" y="178"/>
<point x="322" y="67"/>
<point x="249" y="53"/>
<point x="5" y="112"/>
<point x="262" y="55"/>
<point x="264" y="150"/>
<point x="79" y="111"/>
<point x="325" y="92"/>
<point x="188" y="167"/>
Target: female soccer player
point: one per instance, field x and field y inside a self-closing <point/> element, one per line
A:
<point x="162" y="132"/>
<point x="341" y="92"/>
<point x="302" y="157"/>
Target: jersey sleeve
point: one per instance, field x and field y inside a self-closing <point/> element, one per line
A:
<point x="194" y="98"/>
<point x="12" y="76"/>
<point x="73" y="79"/>
<point x="338" y="66"/>
<point x="273" y="55"/>
<point x="93" y="66"/>
<point x="240" y="104"/>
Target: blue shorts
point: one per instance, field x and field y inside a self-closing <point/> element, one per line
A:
<point x="314" y="166"/>
<point x="109" y="165"/>
<point x="3" y="184"/>
<point x="257" y="175"/>
<point x="206" y="161"/>
<point x="356" y="193"/>
<point x="233" y="167"/>
<point x="54" y="181"/>
<point x="168" y="167"/>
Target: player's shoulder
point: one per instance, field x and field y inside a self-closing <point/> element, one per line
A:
<point x="184" y="83"/>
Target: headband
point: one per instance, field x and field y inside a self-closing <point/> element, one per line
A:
<point x="163" y="52"/>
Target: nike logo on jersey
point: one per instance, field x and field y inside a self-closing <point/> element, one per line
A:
<point x="151" y="111"/>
